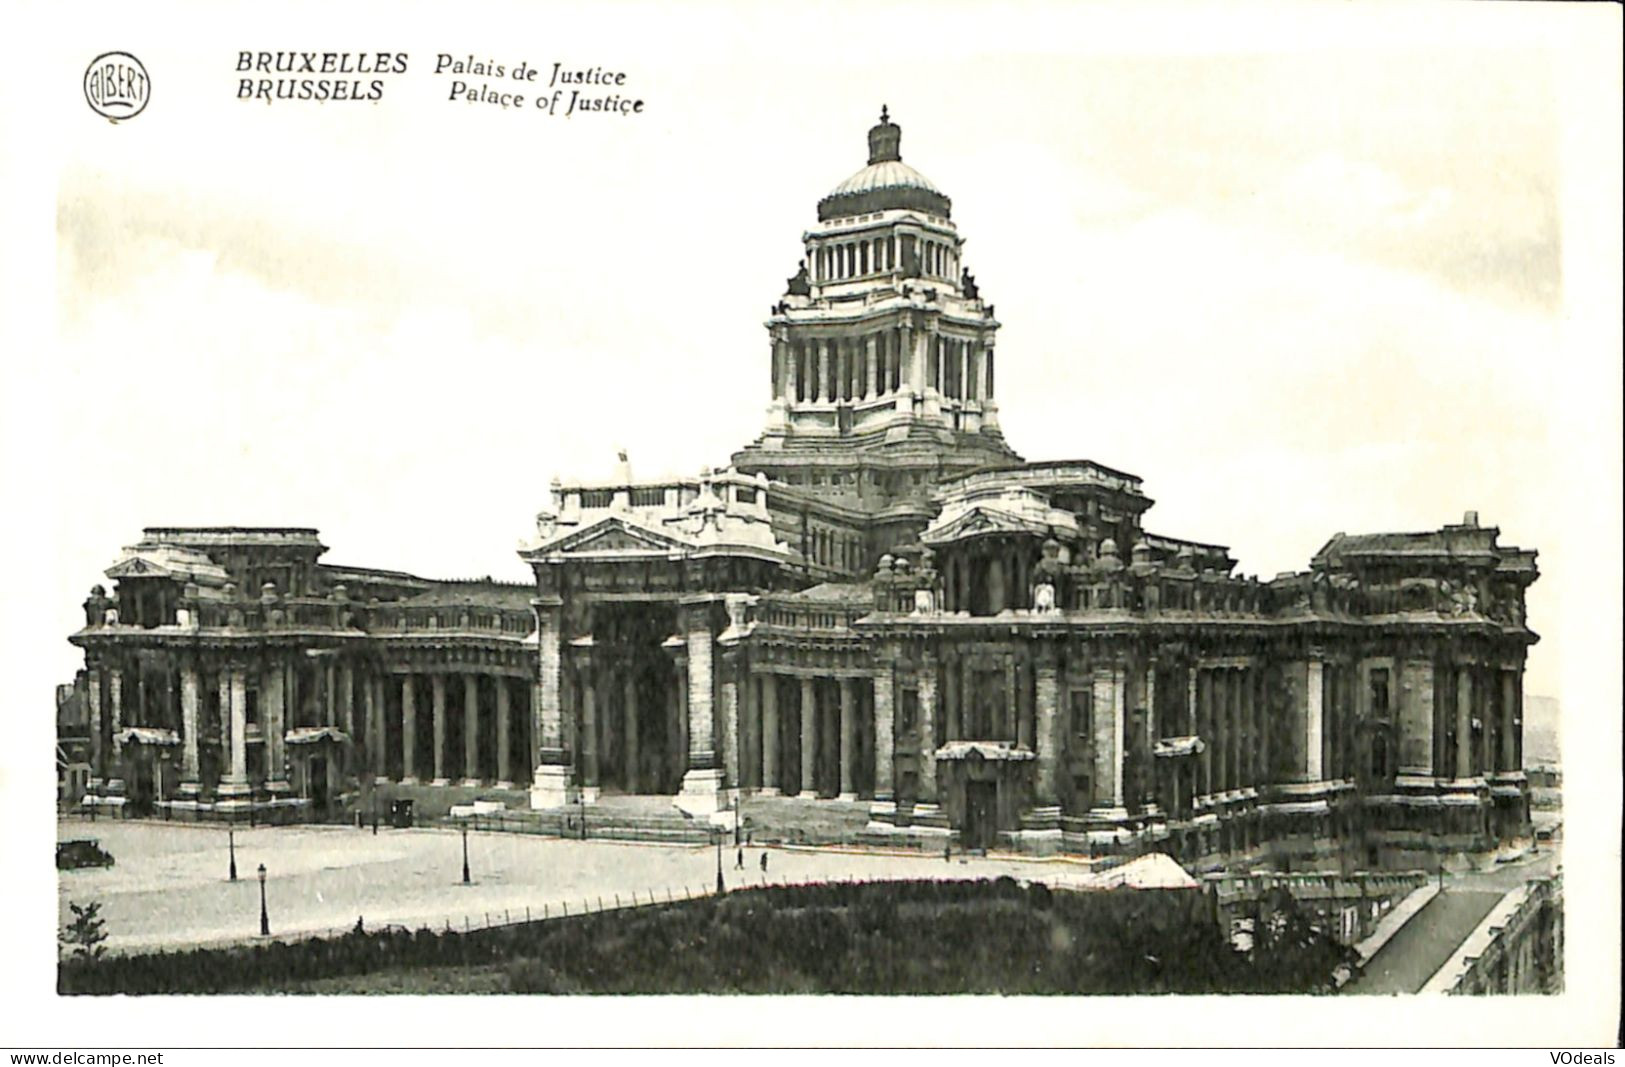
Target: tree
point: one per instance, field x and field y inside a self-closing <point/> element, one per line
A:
<point x="83" y="936"/>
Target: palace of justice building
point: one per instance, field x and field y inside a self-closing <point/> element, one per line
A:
<point x="878" y="605"/>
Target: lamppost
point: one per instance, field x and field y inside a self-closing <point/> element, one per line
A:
<point x="465" y="853"/>
<point x="722" y="886"/>
<point x="265" y="919"/>
<point x="736" y="819"/>
<point x="231" y="845"/>
<point x="581" y="798"/>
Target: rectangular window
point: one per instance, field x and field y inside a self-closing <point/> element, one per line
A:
<point x="1379" y="693"/>
<point x="649" y="498"/>
<point x="597" y="498"/>
<point x="908" y="709"/>
<point x="1083" y="713"/>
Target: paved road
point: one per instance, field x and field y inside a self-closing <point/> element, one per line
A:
<point x="1424" y="944"/>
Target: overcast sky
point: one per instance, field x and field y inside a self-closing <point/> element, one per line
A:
<point x="1303" y="269"/>
<point x="1296" y="291"/>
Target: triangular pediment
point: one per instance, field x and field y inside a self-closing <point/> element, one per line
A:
<point x="615" y="534"/>
<point x="138" y="567"/>
<point x="979" y="522"/>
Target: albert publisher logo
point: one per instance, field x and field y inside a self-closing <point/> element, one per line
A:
<point x="116" y="86"/>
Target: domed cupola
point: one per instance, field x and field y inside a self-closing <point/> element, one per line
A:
<point x="886" y="184"/>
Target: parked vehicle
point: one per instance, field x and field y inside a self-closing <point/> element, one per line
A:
<point x="81" y="852"/>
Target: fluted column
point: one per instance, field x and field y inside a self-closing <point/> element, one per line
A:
<point x="809" y="738"/>
<point x="793" y="376"/>
<point x="849" y="740"/>
<point x="822" y="384"/>
<point x="770" y="735"/>
<point x="871" y="346"/>
<point x="471" y="729"/>
<point x="409" y="729"/>
<point x="629" y="727"/>
<point x="504" y="732"/>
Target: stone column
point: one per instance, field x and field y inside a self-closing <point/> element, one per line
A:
<point x="1464" y="722"/>
<point x="885" y="705"/>
<point x="373" y="710"/>
<point x="1108" y="702"/>
<point x="115" y="701"/>
<point x="770" y="735"/>
<point x="1416" y="719"/>
<point x="728" y="720"/>
<point x="98" y="748"/>
<point x="703" y="786"/>
<point x="809" y="738"/>
<point x="330" y="701"/>
<point x="409" y="729"/>
<point x="928" y="731"/>
<point x="437" y="711"/>
<point x="849" y="740"/>
<point x="587" y="737"/>
<point x="629" y="727"/>
<point x="236" y="780"/>
<point x="792" y="375"/>
<point x="504" y="733"/>
<point x="274" y="698"/>
<point x="550" y="785"/>
<point x="874" y="367"/>
<point x="471" y="730"/>
<point x="222" y="695"/>
<point x="1202" y="697"/>
<point x="822" y="384"/>
<point x="189" y="731"/>
<point x="1046" y="741"/>
<point x="1505" y="756"/>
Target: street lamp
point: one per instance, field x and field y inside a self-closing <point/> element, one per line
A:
<point x="265" y="919"/>
<point x="465" y="853"/>
<point x="736" y="819"/>
<point x="722" y="886"/>
<point x="231" y="845"/>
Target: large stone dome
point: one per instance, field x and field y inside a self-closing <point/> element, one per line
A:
<point x="886" y="184"/>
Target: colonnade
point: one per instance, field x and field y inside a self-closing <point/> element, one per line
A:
<point x="229" y="718"/>
<point x="858" y="257"/>
<point x="870" y="365"/>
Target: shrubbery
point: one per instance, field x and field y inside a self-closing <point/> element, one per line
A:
<point x="875" y="938"/>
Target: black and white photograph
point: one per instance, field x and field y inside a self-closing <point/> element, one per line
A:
<point x="818" y="515"/>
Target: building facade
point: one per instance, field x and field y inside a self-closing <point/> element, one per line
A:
<point x="876" y="602"/>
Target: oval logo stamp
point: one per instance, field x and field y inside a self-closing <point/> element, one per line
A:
<point x="116" y="86"/>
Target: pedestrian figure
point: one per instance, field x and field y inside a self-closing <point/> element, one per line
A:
<point x="947" y="852"/>
<point x="739" y="861"/>
<point x="764" y="862"/>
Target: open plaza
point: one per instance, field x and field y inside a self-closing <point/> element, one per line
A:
<point x="169" y="887"/>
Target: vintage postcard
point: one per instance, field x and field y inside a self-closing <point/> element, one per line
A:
<point x="1103" y="502"/>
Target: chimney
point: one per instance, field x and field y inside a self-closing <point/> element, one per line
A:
<point x="1470" y="519"/>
